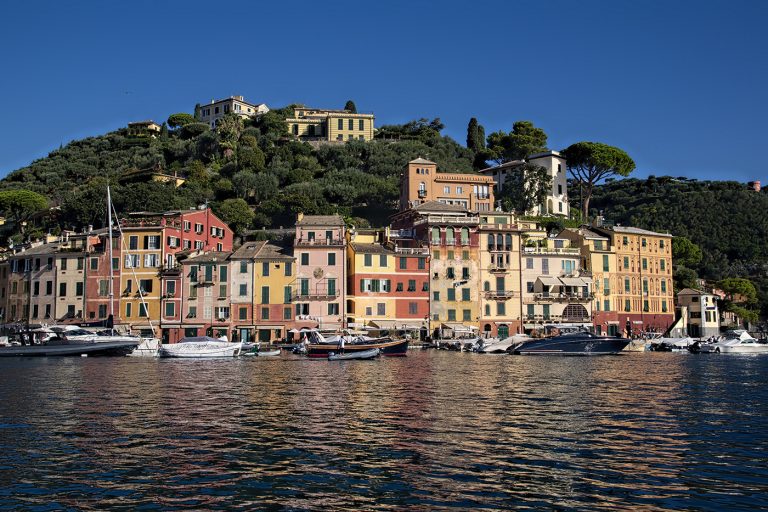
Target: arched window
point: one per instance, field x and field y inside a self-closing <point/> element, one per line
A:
<point x="488" y="312"/>
<point x="449" y="236"/>
<point x="507" y="242"/>
<point x="491" y="242"/>
<point x="487" y="327"/>
<point x="487" y="286"/>
<point x="575" y="313"/>
<point x="499" y="241"/>
<point x="422" y="187"/>
<point x="435" y="235"/>
<point x="464" y="236"/>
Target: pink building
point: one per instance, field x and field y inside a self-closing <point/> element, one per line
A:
<point x="319" y="249"/>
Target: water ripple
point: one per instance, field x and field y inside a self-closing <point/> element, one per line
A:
<point x="434" y="431"/>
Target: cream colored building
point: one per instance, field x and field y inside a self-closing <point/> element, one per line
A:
<point x="330" y="125"/>
<point x="211" y="112"/>
<point x="702" y="316"/>
<point x="555" y="289"/>
<point x="556" y="202"/>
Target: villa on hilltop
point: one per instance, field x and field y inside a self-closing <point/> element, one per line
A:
<point x="215" y="110"/>
<point x="322" y="125"/>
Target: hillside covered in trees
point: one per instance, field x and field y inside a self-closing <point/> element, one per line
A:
<point x="251" y="172"/>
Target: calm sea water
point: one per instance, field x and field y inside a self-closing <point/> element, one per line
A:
<point x="433" y="431"/>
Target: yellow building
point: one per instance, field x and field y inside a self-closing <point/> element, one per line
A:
<point x="142" y="252"/>
<point x="642" y="295"/>
<point x="274" y="275"/>
<point x="330" y="125"/>
<point x="370" y="273"/>
<point x="500" y="299"/>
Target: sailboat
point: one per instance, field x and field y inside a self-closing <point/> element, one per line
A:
<point x="148" y="347"/>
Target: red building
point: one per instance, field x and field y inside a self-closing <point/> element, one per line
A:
<point x="98" y="275"/>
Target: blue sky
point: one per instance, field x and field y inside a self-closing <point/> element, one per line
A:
<point x="680" y="85"/>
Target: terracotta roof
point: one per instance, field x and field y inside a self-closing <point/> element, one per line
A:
<point x="261" y="251"/>
<point x="637" y="231"/>
<point x="691" y="291"/>
<point x="437" y="206"/>
<point x="370" y="249"/>
<point x="208" y="257"/>
<point x="422" y="161"/>
<point x="321" y="220"/>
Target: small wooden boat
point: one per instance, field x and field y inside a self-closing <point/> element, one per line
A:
<point x="363" y="354"/>
<point x="263" y="353"/>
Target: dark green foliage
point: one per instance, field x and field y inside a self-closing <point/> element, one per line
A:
<point x="685" y="252"/>
<point x="523" y="141"/>
<point x="181" y="119"/>
<point x="525" y="189"/>
<point x="236" y="213"/>
<point x="20" y="205"/>
<point x="350" y="106"/>
<point x="192" y="130"/>
<point x="592" y="162"/>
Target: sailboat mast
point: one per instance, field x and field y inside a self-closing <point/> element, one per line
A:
<point x="111" y="261"/>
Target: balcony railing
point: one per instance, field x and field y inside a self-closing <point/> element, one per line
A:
<point x="304" y="242"/>
<point x="551" y="250"/>
<point x="446" y="219"/>
<point x="499" y="294"/>
<point x="499" y="248"/>
<point x="496" y="267"/>
<point x="412" y="250"/>
<point x="562" y="297"/>
<point x="172" y="270"/>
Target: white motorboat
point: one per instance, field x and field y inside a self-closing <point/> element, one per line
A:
<point x="671" y="344"/>
<point x="497" y="346"/>
<point x="737" y="341"/>
<point x="149" y="347"/>
<point x="200" y="347"/>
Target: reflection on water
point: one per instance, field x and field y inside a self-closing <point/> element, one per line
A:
<point x="434" y="430"/>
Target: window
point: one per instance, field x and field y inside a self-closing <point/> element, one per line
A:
<point x="436" y="236"/>
<point x="451" y="315"/>
<point x="436" y="255"/>
<point x="331" y="258"/>
<point x="465" y="272"/>
<point x="128" y="307"/>
<point x="287" y="313"/>
<point x="411" y="285"/>
<point x="243" y="267"/>
<point x="661" y="244"/>
<point x="142" y="310"/>
<point x="436" y="296"/>
<point x="465" y="294"/>
<point x="606" y="266"/>
<point x="663" y="306"/>
<point x="663" y="264"/>
<point x="287" y="295"/>
<point x="626" y="285"/>
<point x="265" y="313"/>
<point x="36" y="288"/>
<point x="413" y="308"/>
<point x="360" y="125"/>
<point x="606" y="285"/>
<point x="151" y="260"/>
<point x="265" y="294"/>
<point x="382" y="260"/>
<point x="49" y="287"/>
<point x="451" y="255"/>
<point x="340" y="124"/>
<point x="288" y="268"/>
<point x="501" y="308"/>
<point x="529" y="286"/>
<point x="645" y="306"/>
<point x="193" y="274"/>
<point x="79" y="263"/>
<point x="62" y="289"/>
<point x="265" y="268"/>
<point x="243" y="290"/>
<point x="545" y="266"/>
<point x="145" y="285"/>
<point x="645" y="264"/>
<point x="332" y="287"/>
<point x="94" y="264"/>
<point x="446" y="190"/>
<point x="451" y="294"/>
<point x="132" y="261"/>
<point x="222" y="290"/>
<point x="529" y="263"/>
<point x="368" y="260"/>
<point x="627" y="305"/>
<point x="529" y="311"/>
<point x="170" y="288"/>
<point x="403" y="263"/>
<point x="133" y="242"/>
<point x="333" y="308"/>
<point x="545" y="311"/>
<point x="381" y="309"/>
<point x="450" y="273"/>
<point x="644" y="242"/>
<point x="170" y="309"/>
<point x="78" y="289"/>
<point x="466" y="315"/>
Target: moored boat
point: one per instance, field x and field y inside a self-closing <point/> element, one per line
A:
<point x="316" y="345"/>
<point x="71" y="348"/>
<point x="363" y="354"/>
<point x="735" y="342"/>
<point x="200" y="347"/>
<point x="573" y="344"/>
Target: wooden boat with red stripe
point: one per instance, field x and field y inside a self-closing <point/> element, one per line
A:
<point x="388" y="347"/>
<point x="315" y="344"/>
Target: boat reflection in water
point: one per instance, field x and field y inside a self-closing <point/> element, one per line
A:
<point x="573" y="344"/>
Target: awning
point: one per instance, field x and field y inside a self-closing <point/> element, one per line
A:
<point x="549" y="281"/>
<point x="573" y="281"/>
<point x="458" y="327"/>
<point x="245" y="326"/>
<point x="271" y="327"/>
<point x="383" y="324"/>
<point x="411" y="327"/>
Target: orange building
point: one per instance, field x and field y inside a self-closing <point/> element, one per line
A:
<point x="421" y="183"/>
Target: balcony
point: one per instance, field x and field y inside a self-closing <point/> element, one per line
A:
<point x="562" y="297"/>
<point x="496" y="267"/>
<point x="499" y="248"/>
<point x="422" y="194"/>
<point x="319" y="242"/>
<point x="447" y="219"/>
<point x="570" y="251"/>
<point x="499" y="294"/>
<point x="412" y="250"/>
<point x="173" y="270"/>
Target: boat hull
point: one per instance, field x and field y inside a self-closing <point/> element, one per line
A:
<point x="348" y="356"/>
<point x="200" y="350"/>
<point x="109" y="348"/>
<point x="395" y="348"/>
<point x="573" y="345"/>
